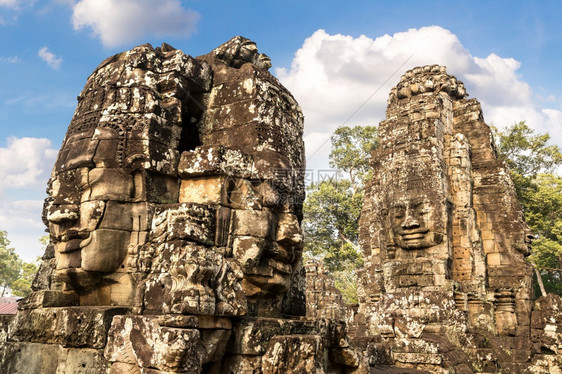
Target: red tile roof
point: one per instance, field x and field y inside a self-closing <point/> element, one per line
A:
<point x="9" y="305"/>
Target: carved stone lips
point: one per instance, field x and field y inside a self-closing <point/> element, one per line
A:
<point x="71" y="245"/>
<point x="413" y="235"/>
<point x="280" y="266"/>
<point x="73" y="241"/>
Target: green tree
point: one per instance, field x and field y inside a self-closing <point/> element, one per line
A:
<point x="533" y="163"/>
<point x="333" y="207"/>
<point x="331" y="213"/>
<point x="544" y="215"/>
<point x="351" y="152"/>
<point x="22" y="285"/>
<point x="525" y="152"/>
<point x="10" y="263"/>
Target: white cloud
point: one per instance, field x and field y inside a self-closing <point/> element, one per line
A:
<point x="11" y="9"/>
<point x="9" y="3"/>
<point x="332" y="75"/>
<point x="16" y="6"/>
<point x="26" y="162"/>
<point x="117" y="22"/>
<point x="53" y="61"/>
<point x="25" y="165"/>
<point x="10" y="59"/>
<point x="22" y="220"/>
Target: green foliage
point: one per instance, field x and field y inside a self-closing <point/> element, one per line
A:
<point x="331" y="213"/>
<point x="351" y="149"/>
<point x="346" y="281"/>
<point x="333" y="207"/>
<point x="22" y="285"/>
<point x="543" y="207"/>
<point x="16" y="276"/>
<point x="543" y="212"/>
<point x="44" y="240"/>
<point x="533" y="163"/>
<point x="525" y="152"/>
<point x="10" y="264"/>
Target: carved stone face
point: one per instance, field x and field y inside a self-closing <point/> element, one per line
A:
<point x="239" y="50"/>
<point x="267" y="238"/>
<point x="413" y="222"/>
<point x="275" y="260"/>
<point x="91" y="215"/>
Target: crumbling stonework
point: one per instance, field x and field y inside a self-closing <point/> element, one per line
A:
<point x="174" y="213"/>
<point x="446" y="283"/>
<point x="323" y="299"/>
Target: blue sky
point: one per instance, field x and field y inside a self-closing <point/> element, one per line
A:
<point x="332" y="55"/>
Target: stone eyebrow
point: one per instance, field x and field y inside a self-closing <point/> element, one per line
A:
<point x="416" y="203"/>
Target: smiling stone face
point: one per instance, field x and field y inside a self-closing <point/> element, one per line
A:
<point x="413" y="223"/>
<point x="90" y="221"/>
<point x="91" y="214"/>
<point x="118" y="160"/>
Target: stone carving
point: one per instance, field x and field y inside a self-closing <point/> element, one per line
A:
<point x="444" y="238"/>
<point x="174" y="213"/>
<point x="412" y="217"/>
<point x="238" y="51"/>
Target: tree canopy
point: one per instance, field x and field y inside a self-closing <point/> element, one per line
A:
<point x="10" y="264"/>
<point x="16" y="276"/>
<point x="533" y="164"/>
<point x="351" y="151"/>
<point x="333" y="207"/>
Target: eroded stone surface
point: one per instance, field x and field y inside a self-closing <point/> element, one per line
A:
<point x="174" y="212"/>
<point x="446" y="284"/>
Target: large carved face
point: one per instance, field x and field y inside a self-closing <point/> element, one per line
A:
<point x="270" y="267"/>
<point x="119" y="162"/>
<point x="265" y="236"/>
<point x="414" y="221"/>
<point x="91" y="215"/>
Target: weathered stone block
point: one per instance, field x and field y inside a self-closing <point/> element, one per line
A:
<point x="110" y="184"/>
<point x="187" y="221"/>
<point x="256" y="223"/>
<point x="294" y="354"/>
<point x="252" y="335"/>
<point x="141" y="341"/>
<point x="47" y="298"/>
<point x="203" y="190"/>
<point x="83" y="361"/>
<point x="25" y="358"/>
<point x="209" y="160"/>
<point x="69" y="326"/>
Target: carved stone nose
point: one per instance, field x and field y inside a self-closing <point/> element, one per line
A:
<point x="410" y="223"/>
<point x="63" y="213"/>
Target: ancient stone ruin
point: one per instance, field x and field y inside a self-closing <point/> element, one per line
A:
<point x="174" y="211"/>
<point x="446" y="284"/>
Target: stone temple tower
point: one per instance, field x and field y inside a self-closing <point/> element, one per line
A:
<point x="441" y="229"/>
